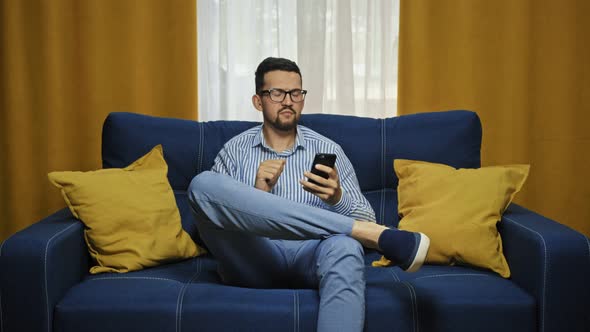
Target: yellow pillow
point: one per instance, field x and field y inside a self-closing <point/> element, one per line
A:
<point x="458" y="209"/>
<point x="130" y="214"/>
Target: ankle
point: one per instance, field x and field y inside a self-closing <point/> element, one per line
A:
<point x="367" y="233"/>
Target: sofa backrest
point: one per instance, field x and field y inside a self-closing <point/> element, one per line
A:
<point x="451" y="137"/>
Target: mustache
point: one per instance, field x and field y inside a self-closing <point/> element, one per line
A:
<point x="287" y="108"/>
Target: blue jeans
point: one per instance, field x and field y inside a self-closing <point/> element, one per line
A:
<point x="265" y="241"/>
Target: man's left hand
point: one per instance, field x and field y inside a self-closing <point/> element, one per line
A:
<point x="327" y="189"/>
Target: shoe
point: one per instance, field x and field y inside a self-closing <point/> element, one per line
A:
<point x="406" y="249"/>
<point x="418" y="256"/>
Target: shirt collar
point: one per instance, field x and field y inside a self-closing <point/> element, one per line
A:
<point x="258" y="139"/>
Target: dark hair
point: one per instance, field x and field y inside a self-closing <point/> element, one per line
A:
<point x="271" y="64"/>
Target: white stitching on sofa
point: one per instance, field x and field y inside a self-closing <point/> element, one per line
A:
<point x="382" y="208"/>
<point x="383" y="151"/>
<point x="378" y="191"/>
<point x="181" y="297"/>
<point x="455" y="275"/>
<point x="417" y="323"/>
<point x="295" y="311"/>
<point x="414" y="305"/>
<point x="45" y="268"/>
<point x="545" y="268"/>
<point x="414" y="298"/>
<point x="395" y="277"/>
<point x="127" y="278"/>
<point x="201" y="139"/>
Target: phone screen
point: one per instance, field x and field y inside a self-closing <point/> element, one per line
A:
<point x="327" y="159"/>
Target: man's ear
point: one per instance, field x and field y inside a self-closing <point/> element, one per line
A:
<point x="257" y="102"/>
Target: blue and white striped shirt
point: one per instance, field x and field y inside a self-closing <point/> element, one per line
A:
<point x="241" y="156"/>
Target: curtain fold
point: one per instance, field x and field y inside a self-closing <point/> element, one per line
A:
<point x="524" y="67"/>
<point x="346" y="50"/>
<point x="66" y="64"/>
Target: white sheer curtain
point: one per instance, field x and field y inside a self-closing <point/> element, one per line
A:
<point x="346" y="49"/>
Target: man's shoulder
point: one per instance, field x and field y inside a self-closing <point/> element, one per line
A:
<point x="243" y="138"/>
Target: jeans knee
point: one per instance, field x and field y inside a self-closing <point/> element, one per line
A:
<point x="344" y="245"/>
<point x="198" y="189"/>
<point x="200" y="184"/>
<point x="341" y="258"/>
<point x="341" y="247"/>
<point x="202" y="180"/>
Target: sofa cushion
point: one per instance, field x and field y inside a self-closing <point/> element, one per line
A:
<point x="145" y="300"/>
<point x="452" y="137"/>
<point x="458" y="209"/>
<point x="188" y="295"/>
<point x="130" y="214"/>
<point x="384" y="203"/>
<point x="442" y="298"/>
<point x="189" y="146"/>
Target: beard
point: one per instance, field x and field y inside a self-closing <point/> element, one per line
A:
<point x="281" y="125"/>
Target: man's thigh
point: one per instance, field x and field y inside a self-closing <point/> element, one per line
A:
<point x="301" y="257"/>
<point x="244" y="259"/>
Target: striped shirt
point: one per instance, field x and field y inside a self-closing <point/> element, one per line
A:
<point x="241" y="156"/>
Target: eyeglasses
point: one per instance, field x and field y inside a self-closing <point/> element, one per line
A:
<point x="278" y="95"/>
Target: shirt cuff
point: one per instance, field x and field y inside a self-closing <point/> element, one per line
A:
<point x="344" y="206"/>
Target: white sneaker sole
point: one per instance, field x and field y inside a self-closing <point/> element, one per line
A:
<point x="420" y="254"/>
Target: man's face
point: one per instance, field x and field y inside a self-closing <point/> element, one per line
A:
<point x="280" y="115"/>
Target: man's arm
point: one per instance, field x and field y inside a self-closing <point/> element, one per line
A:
<point x="224" y="163"/>
<point x="267" y="174"/>
<point x="353" y="203"/>
<point x="341" y="193"/>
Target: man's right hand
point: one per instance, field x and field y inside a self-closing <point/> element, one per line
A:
<point x="268" y="174"/>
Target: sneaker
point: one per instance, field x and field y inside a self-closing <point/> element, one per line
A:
<point x="418" y="256"/>
<point x="406" y="249"/>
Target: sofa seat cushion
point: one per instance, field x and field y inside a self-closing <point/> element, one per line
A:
<point x="444" y="298"/>
<point x="184" y="296"/>
<point x="146" y="300"/>
<point x="189" y="296"/>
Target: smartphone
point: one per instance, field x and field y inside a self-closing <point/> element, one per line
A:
<point x="327" y="159"/>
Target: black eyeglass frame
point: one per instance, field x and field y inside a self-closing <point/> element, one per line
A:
<point x="285" y="93"/>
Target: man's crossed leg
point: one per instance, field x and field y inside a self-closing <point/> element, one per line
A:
<point x="242" y="227"/>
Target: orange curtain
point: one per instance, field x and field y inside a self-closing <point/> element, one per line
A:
<point x="524" y="67"/>
<point x="64" y="65"/>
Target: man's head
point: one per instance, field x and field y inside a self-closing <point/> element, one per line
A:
<point x="272" y="64"/>
<point x="278" y="93"/>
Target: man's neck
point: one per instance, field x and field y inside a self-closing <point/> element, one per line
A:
<point x="279" y="140"/>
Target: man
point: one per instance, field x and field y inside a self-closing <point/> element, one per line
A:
<point x="270" y="228"/>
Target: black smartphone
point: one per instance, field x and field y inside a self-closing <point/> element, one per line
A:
<point x="327" y="159"/>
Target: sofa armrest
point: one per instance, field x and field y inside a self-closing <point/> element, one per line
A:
<point x="37" y="266"/>
<point x="552" y="262"/>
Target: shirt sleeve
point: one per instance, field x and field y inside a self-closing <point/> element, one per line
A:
<point x="224" y="163"/>
<point x="353" y="203"/>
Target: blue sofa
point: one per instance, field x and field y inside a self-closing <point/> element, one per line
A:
<point x="45" y="284"/>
